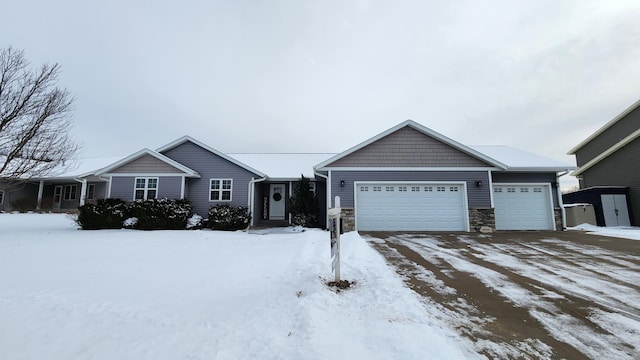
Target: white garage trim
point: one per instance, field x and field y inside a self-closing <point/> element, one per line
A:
<point x="464" y="207"/>
<point x="513" y="221"/>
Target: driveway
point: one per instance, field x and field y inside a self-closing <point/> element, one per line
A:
<point x="527" y="294"/>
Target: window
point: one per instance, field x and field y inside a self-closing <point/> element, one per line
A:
<point x="498" y="190"/>
<point x="1" y="196"/>
<point x="537" y="190"/>
<point x="377" y="188"/>
<point x="441" y="189"/>
<point x="415" y="188"/>
<point x="146" y="188"/>
<point x="70" y="192"/>
<point x="220" y="189"/>
<point x="402" y="188"/>
<point x="390" y="188"/>
<point x="364" y="188"/>
<point x="312" y="187"/>
<point x="511" y="190"/>
<point x="428" y="188"/>
<point x="453" y="188"/>
<point x="91" y="192"/>
<point x="524" y="190"/>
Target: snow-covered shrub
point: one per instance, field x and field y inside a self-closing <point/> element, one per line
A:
<point x="161" y="214"/>
<point x="228" y="217"/>
<point x="104" y="214"/>
<point x="130" y="223"/>
<point x="194" y="222"/>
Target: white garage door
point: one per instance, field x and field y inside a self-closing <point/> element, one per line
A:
<point x="523" y="207"/>
<point x="411" y="207"/>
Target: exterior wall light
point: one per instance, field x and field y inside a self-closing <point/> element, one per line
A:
<point x="341" y="183"/>
<point x="478" y="183"/>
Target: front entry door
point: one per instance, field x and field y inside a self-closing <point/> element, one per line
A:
<point x="57" y="196"/>
<point x="276" y="201"/>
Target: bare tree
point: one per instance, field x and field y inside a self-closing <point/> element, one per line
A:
<point x="35" y="119"/>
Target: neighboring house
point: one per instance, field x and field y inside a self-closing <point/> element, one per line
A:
<point x="609" y="170"/>
<point x="408" y="178"/>
<point x="411" y="178"/>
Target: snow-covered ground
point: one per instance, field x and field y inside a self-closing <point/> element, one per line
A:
<point x="626" y="232"/>
<point x="125" y="294"/>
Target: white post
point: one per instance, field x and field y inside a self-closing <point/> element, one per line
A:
<point x="40" y="191"/>
<point x="333" y="216"/>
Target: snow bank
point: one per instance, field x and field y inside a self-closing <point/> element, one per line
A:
<point x="626" y="232"/>
<point x="126" y="294"/>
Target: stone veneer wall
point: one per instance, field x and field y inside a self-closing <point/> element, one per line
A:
<point x="557" y="213"/>
<point x="482" y="217"/>
<point x="348" y="219"/>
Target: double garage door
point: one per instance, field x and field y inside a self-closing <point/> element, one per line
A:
<point x="411" y="207"/>
<point x="443" y="207"/>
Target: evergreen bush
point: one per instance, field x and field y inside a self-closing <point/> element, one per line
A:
<point x="303" y="205"/>
<point x="104" y="214"/>
<point x="228" y="217"/>
<point x="160" y="214"/>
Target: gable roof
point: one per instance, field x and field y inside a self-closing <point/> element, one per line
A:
<point x="187" y="138"/>
<point x="605" y="127"/>
<point x="189" y="172"/>
<point x="423" y="129"/>
<point x="619" y="145"/>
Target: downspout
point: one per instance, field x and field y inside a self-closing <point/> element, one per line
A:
<point x="328" y="196"/>
<point x="252" y="195"/>
<point x="560" y="203"/>
<point x="83" y="189"/>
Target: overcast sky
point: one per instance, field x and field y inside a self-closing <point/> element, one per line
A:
<point x="322" y="76"/>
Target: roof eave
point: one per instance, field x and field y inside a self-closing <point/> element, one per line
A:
<point x="604" y="128"/>
<point x="186" y="138"/>
<point x="423" y="129"/>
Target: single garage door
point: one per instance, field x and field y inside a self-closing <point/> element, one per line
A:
<point x="411" y="207"/>
<point x="523" y="207"/>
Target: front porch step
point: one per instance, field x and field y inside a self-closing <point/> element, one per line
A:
<point x="272" y="223"/>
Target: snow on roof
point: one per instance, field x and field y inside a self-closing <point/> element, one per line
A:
<point x="517" y="159"/>
<point x="283" y="165"/>
<point x="84" y="167"/>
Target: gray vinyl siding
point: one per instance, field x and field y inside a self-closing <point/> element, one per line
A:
<point x="210" y="166"/>
<point x="478" y="197"/>
<point x="524" y="177"/>
<point x="621" y="168"/>
<point x="123" y="187"/>
<point x="147" y="164"/>
<point x="408" y="147"/>
<point x="611" y="136"/>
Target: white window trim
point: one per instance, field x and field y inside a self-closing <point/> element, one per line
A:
<point x="73" y="193"/>
<point x="146" y="187"/>
<point x="221" y="190"/>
